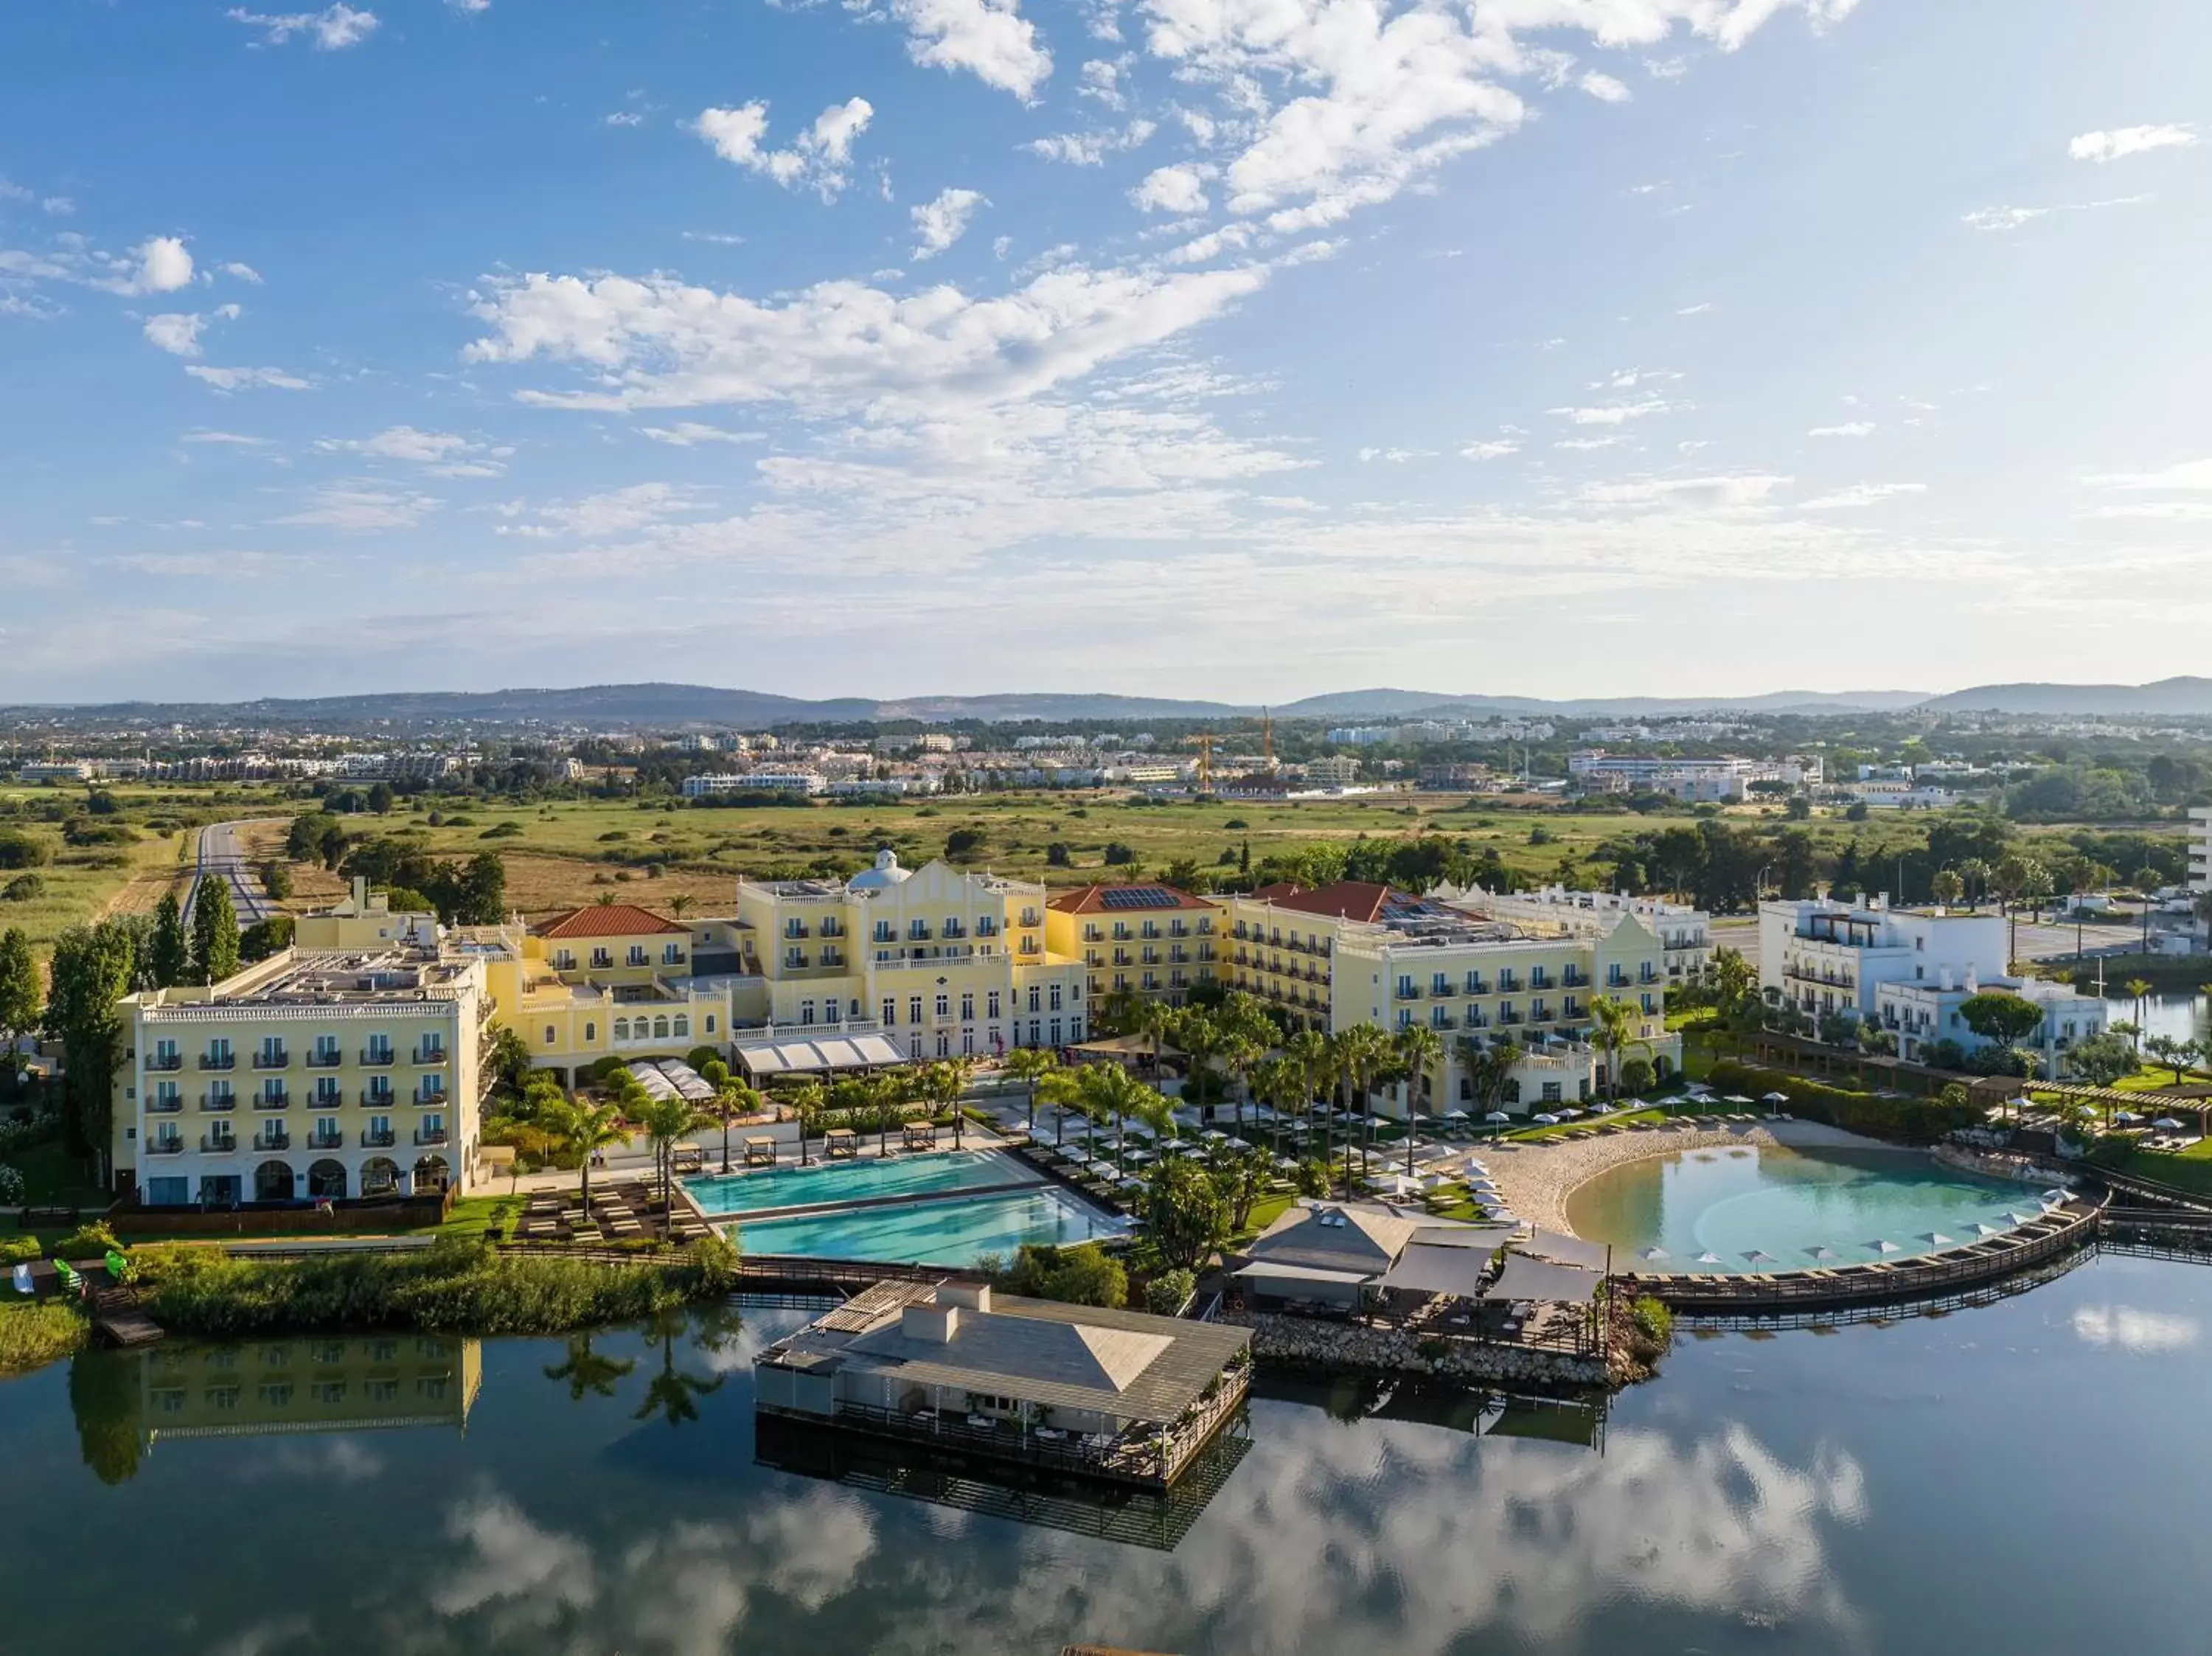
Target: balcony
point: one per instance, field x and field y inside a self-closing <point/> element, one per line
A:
<point x="272" y="1141"/>
<point x="159" y="1105"/>
<point x="430" y="1055"/>
<point x="1539" y="980"/>
<point x="1507" y="1020"/>
<point x="165" y="1147"/>
<point x="169" y="1062"/>
<point x="1408" y="991"/>
<point x="279" y="1060"/>
<point x="379" y="1058"/>
<point x="429" y="1097"/>
<point x="218" y="1144"/>
<point x="218" y="1061"/>
<point x="1542" y="1014"/>
<point x="325" y="1140"/>
<point x="430" y="1136"/>
<point x="377" y="1141"/>
<point x="217" y="1103"/>
<point x="1571" y="979"/>
<point x="279" y="1100"/>
<point x="1476" y="1021"/>
<point x="376" y="1100"/>
<point x="326" y="1061"/>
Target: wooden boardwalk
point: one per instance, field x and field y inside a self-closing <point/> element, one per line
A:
<point x="119" y="1318"/>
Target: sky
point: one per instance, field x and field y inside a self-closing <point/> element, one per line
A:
<point x="1236" y="349"/>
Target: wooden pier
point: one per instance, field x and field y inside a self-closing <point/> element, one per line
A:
<point x="119" y="1318"/>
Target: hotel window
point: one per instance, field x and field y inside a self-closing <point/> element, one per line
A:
<point x="622" y="1029"/>
<point x="1053" y="997"/>
<point x="591" y="1033"/>
<point x="671" y="953"/>
<point x="165" y="1055"/>
<point x="276" y="1394"/>
<point x="326" y="1131"/>
<point x="682" y="1026"/>
<point x="328" y="1391"/>
<point x="991" y="1004"/>
<point x="891" y="1013"/>
<point x="326" y="1049"/>
<point x="1055" y="1032"/>
<point x="913" y="1008"/>
<point x="944" y="1006"/>
<point x="564" y="959"/>
<point x="1035" y="999"/>
<point x="603" y="957"/>
<point x="967" y="1008"/>
<point x="660" y="1029"/>
<point x="806" y="1011"/>
<point x="943" y="1044"/>
<point x="637" y="954"/>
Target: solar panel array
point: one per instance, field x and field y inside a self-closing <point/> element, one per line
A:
<point x="1137" y="896"/>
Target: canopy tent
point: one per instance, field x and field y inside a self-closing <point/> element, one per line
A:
<point x="1524" y="1278"/>
<point x="1564" y="1250"/>
<point x="1425" y="1268"/>
<point x="791" y="1053"/>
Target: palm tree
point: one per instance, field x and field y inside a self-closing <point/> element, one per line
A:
<point x="1238" y="1053"/>
<point x="671" y="1394"/>
<point x="679" y="904"/>
<point x="1030" y="1065"/>
<point x="587" y="1128"/>
<point x="1279" y="1084"/>
<point x="1199" y="1035"/>
<point x="944" y="1083"/>
<point x="1107" y="1088"/>
<point x="891" y="1091"/>
<point x="2137" y="990"/>
<point x="1615" y="1026"/>
<point x="1948" y="887"/>
<point x="1975" y="872"/>
<point x="1060" y="1088"/>
<point x="665" y="1121"/>
<point x="805" y="1100"/>
<point x="1420" y="1050"/>
<point x="1316" y="1059"/>
<point x="1153" y="1020"/>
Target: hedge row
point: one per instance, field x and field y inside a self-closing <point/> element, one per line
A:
<point x="1912" y="1118"/>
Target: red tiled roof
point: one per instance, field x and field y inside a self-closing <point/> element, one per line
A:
<point x="608" y="920"/>
<point x="1356" y="899"/>
<point x="1091" y="900"/>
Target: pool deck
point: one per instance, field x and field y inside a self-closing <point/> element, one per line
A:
<point x="1536" y="1180"/>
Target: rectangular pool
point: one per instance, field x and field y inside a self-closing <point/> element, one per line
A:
<point x="946" y="1233"/>
<point x="857" y="1180"/>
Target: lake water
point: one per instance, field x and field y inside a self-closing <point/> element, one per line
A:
<point x="2027" y="1477"/>
<point x="2179" y="1017"/>
<point x="1769" y="1208"/>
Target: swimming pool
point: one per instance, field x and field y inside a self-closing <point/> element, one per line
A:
<point x="1794" y="1208"/>
<point x="857" y="1180"/>
<point x="946" y="1233"/>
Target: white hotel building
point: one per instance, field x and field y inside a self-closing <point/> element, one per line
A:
<point x="1823" y="956"/>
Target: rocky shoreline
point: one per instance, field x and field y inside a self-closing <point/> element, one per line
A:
<point x="1311" y="1345"/>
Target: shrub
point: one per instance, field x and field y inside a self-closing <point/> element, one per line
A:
<point x="1311" y="1177"/>
<point x="1168" y="1293"/>
<point x="32" y="1336"/>
<point x="1083" y="1275"/>
<point x="1652" y="1319"/>
<point x="20" y="850"/>
<point x="1636" y="1075"/>
<point x="19" y="1250"/>
<point x="23" y="888"/>
<point x="1859" y="1112"/>
<point x="11" y="1186"/>
<point x="88" y="1241"/>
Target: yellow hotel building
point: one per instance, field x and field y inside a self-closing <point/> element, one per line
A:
<point x="1148" y="940"/>
<point x="317" y="1383"/>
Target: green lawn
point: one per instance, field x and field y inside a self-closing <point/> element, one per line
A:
<point x="2190" y="1170"/>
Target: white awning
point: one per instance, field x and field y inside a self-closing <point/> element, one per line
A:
<point x="794" y="1054"/>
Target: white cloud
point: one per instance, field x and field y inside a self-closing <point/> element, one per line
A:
<point x="2133" y="1329"/>
<point x="616" y="511"/>
<point x="1614" y="414"/>
<point x="442" y="453"/>
<point x="177" y="332"/>
<point x="1171" y="190"/>
<point x="2117" y="145"/>
<point x="989" y="38"/>
<point x="159" y="264"/>
<point x="1395" y="456"/>
<point x="1848" y="428"/>
<point x="333" y="29"/>
<point x="1491" y="451"/>
<point x="2188" y="475"/>
<point x="689" y="433"/>
<point x="719" y="238"/>
<point x="60" y="206"/>
<point x="939" y="223"/>
<point x="1858" y="495"/>
<point x="2012" y="218"/>
<point x="1605" y="89"/>
<point x="204" y="435"/>
<point x="622" y="118"/>
<point x="818" y="157"/>
<point x="359" y="508"/>
<point x="230" y="379"/>
<point x="243" y="272"/>
<point x="1091" y="148"/>
<point x="1695" y="310"/>
<point x="472" y="7"/>
<point x="1704" y="493"/>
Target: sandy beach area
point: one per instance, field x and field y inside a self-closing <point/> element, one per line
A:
<point x="1536" y="1179"/>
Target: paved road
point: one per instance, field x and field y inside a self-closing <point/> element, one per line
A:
<point x="222" y="858"/>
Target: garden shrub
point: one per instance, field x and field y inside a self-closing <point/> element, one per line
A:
<point x="1918" y="1118"/>
<point x="1169" y="1292"/>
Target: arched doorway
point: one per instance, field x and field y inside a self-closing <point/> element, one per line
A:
<point x="327" y="1178"/>
<point x="272" y="1182"/>
<point x="379" y="1176"/>
<point x="431" y="1174"/>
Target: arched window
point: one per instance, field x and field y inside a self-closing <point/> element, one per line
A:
<point x="549" y="1034"/>
<point x="710" y="1023"/>
<point x="683" y="1026"/>
<point x="660" y="1029"/>
<point x="622" y="1029"/>
<point x="590" y="1034"/>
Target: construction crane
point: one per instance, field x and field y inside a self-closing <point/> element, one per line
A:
<point x="1267" y="738"/>
<point x="1203" y="740"/>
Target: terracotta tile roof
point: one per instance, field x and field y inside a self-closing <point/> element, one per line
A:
<point x="609" y="920"/>
<point x="1132" y="900"/>
<point x="1356" y="899"/>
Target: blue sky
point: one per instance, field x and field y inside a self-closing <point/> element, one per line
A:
<point x="1236" y="348"/>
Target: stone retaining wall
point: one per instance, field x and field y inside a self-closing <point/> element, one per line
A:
<point x="1310" y="1344"/>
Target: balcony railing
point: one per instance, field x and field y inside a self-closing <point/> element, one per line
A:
<point x="272" y="1141"/>
<point x="218" y="1060"/>
<point x="279" y="1100"/>
<point x="218" y="1144"/>
<point x="325" y="1140"/>
<point x="379" y="1058"/>
<point x="169" y="1062"/>
<point x="437" y="1097"/>
<point x="377" y="1141"/>
<point x="436" y="1136"/>
<point x="216" y="1103"/>
<point x="430" y="1055"/>
<point x="1409" y="991"/>
<point x="278" y="1060"/>
<point x="376" y="1100"/>
<point x="158" y="1105"/>
<point x="165" y="1147"/>
<point x="329" y="1060"/>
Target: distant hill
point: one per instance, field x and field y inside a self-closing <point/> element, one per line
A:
<point x="2185" y="698"/>
<point x="672" y="707"/>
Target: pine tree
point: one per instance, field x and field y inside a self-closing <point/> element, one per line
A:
<point x="215" y="933"/>
<point x="171" y="959"/>
<point x="18" y="995"/>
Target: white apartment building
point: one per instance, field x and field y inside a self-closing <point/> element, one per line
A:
<point x="1695" y="780"/>
<point x="1921" y="1014"/>
<point x="1336" y="770"/>
<point x="1685" y="933"/>
<point x="761" y="781"/>
<point x="2200" y="847"/>
<point x="1824" y="957"/>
